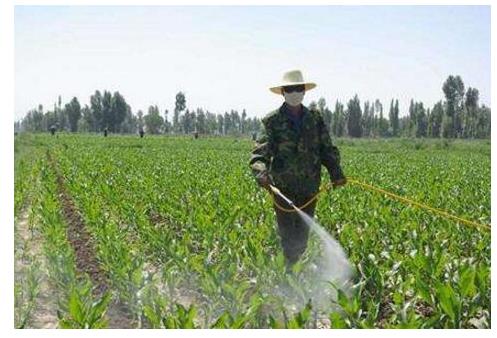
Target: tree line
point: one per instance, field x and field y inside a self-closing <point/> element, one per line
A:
<point x="110" y="111"/>
<point x="458" y="116"/>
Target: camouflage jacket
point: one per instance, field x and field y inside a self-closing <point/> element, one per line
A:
<point x="292" y="155"/>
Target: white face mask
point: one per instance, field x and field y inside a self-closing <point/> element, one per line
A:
<point x="294" y="98"/>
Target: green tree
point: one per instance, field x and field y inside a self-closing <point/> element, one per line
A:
<point x="107" y="116"/>
<point x="338" y="124"/>
<point x="313" y="105"/>
<point x="453" y="89"/>
<point x="483" y="126"/>
<point x="88" y="119"/>
<point x="130" y="123"/>
<point x="412" y="119"/>
<point x="421" y="122"/>
<point x="38" y="118"/>
<point x="365" y="120"/>
<point x="167" y="124"/>
<point x="86" y="122"/>
<point x="50" y="119"/>
<point x="382" y="125"/>
<point x="227" y="123"/>
<point x="325" y="112"/>
<point x="211" y="122"/>
<point x="201" y="122"/>
<point x="153" y="120"/>
<point x="179" y="106"/>
<point x="96" y="107"/>
<point x="140" y="119"/>
<point x="471" y="105"/>
<point x="436" y="119"/>
<point x="73" y="110"/>
<point x="63" y="120"/>
<point x="187" y="122"/>
<point x="243" y="121"/>
<point x="377" y="126"/>
<point x="393" y="116"/>
<point x="119" y="109"/>
<point x="395" y="122"/>
<point x="220" y="124"/>
<point x="354" y="114"/>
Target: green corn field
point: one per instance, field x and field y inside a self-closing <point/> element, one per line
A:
<point x="173" y="232"/>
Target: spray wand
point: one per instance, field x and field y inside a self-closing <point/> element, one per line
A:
<point x="277" y="191"/>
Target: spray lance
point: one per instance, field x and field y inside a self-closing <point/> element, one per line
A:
<point x="277" y="191"/>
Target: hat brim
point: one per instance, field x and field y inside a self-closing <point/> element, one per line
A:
<point x="278" y="89"/>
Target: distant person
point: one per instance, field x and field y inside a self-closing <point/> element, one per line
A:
<point x="195" y="134"/>
<point x="52" y="130"/>
<point x="254" y="136"/>
<point x="106" y="132"/>
<point x="142" y="132"/>
<point x="289" y="153"/>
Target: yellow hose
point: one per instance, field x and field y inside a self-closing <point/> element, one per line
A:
<point x="366" y="186"/>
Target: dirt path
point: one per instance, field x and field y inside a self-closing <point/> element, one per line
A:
<point x="29" y="244"/>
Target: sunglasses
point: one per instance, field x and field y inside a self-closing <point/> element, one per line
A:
<point x="291" y="89"/>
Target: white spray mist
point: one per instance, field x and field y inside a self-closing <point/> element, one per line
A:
<point x="329" y="266"/>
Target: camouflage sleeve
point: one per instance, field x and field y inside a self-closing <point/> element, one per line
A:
<point x="261" y="154"/>
<point x="330" y="156"/>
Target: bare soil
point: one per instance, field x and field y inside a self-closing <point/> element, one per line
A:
<point x="79" y="237"/>
<point x="29" y="243"/>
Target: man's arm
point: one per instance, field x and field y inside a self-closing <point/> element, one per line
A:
<point x="330" y="156"/>
<point x="261" y="158"/>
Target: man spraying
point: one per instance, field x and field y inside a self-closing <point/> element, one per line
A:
<point x="289" y="153"/>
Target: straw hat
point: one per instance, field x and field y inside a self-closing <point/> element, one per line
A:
<point x="292" y="78"/>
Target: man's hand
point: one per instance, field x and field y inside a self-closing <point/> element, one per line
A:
<point x="264" y="180"/>
<point x="339" y="183"/>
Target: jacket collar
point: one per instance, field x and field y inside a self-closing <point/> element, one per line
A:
<point x="283" y="110"/>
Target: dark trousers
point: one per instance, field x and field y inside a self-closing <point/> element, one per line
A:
<point x="293" y="231"/>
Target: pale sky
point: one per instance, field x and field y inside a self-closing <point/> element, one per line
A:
<point x="226" y="57"/>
